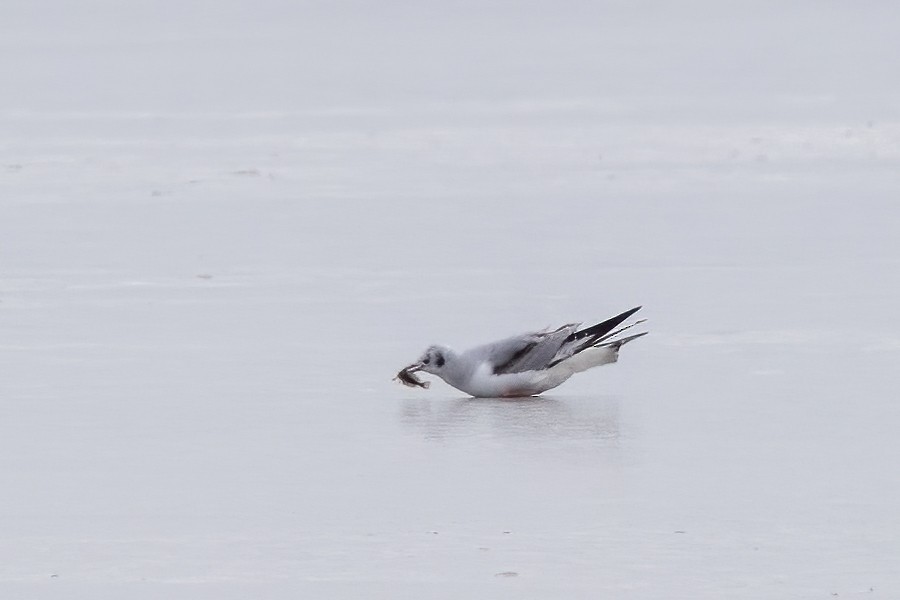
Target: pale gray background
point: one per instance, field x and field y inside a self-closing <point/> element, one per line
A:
<point x="225" y="225"/>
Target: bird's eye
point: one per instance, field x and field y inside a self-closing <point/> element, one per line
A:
<point x="426" y="361"/>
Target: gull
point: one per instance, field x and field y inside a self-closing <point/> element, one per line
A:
<point x="527" y="364"/>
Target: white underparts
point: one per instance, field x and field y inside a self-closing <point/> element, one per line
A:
<point x="484" y="383"/>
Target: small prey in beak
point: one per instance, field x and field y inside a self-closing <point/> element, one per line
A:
<point x="406" y="377"/>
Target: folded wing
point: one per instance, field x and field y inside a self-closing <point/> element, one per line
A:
<point x="543" y="350"/>
<point x="535" y="354"/>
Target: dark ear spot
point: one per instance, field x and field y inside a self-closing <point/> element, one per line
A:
<point x="440" y="360"/>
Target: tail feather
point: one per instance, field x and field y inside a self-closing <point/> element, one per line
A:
<point x="590" y="358"/>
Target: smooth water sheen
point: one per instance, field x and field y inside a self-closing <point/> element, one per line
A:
<point x="224" y="229"/>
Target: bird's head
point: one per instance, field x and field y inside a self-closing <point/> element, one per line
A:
<point x="433" y="361"/>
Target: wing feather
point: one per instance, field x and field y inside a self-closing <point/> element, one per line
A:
<point x="594" y="336"/>
<point x="539" y="353"/>
<point x="543" y="350"/>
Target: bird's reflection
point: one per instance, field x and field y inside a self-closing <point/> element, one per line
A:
<point x="539" y="417"/>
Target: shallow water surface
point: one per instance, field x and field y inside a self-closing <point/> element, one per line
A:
<point x="210" y="276"/>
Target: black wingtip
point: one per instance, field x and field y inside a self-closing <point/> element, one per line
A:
<point x="625" y="340"/>
<point x="601" y="329"/>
